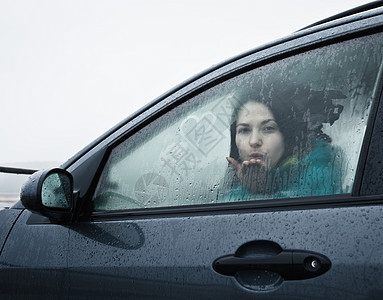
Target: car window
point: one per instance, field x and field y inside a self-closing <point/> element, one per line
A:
<point x="291" y="128"/>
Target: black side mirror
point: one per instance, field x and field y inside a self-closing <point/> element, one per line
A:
<point x="50" y="193"/>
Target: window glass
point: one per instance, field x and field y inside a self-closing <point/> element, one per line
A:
<point x="291" y="128"/>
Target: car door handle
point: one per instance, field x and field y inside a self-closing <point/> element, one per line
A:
<point x="289" y="264"/>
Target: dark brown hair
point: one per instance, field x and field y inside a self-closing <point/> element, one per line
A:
<point x="299" y="112"/>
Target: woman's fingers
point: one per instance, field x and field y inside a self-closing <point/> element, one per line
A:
<point x="250" y="173"/>
<point x="242" y="169"/>
<point x="250" y="162"/>
<point x="234" y="163"/>
<point x="239" y="166"/>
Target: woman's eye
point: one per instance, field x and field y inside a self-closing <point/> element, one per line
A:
<point x="243" y="130"/>
<point x="270" y="129"/>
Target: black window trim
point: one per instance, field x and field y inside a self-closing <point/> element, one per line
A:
<point x="255" y="206"/>
<point x="250" y="207"/>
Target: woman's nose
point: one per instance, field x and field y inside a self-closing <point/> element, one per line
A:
<point x="255" y="139"/>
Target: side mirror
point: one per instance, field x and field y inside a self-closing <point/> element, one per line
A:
<point x="50" y="193"/>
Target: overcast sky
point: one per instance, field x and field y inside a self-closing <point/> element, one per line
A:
<point x="71" y="69"/>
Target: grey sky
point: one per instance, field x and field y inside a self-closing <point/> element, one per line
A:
<point x="72" y="69"/>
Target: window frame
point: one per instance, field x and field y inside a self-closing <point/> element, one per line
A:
<point x="298" y="43"/>
<point x="367" y="165"/>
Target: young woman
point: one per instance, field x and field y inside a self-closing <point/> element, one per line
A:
<point x="278" y="148"/>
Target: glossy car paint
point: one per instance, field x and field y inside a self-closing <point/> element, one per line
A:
<point x="34" y="259"/>
<point x="171" y="257"/>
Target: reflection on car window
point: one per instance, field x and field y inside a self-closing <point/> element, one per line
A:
<point x="292" y="128"/>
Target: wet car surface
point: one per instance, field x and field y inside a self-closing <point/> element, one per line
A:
<point x="153" y="209"/>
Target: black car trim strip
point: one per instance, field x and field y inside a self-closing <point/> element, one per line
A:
<point x="337" y="201"/>
<point x="370" y="129"/>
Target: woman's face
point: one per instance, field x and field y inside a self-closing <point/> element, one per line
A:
<point x="258" y="137"/>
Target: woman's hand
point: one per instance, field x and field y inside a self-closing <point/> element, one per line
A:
<point x="250" y="173"/>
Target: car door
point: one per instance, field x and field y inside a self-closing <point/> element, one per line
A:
<point x="167" y="217"/>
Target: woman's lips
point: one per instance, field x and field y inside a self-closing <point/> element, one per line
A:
<point x="258" y="157"/>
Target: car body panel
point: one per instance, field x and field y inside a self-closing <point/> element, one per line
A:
<point x="126" y="258"/>
<point x="34" y="259"/>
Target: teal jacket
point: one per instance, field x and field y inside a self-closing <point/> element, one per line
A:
<point x="318" y="173"/>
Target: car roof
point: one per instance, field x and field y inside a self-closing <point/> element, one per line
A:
<point x="350" y="12"/>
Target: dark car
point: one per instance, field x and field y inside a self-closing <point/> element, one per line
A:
<point x="261" y="177"/>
